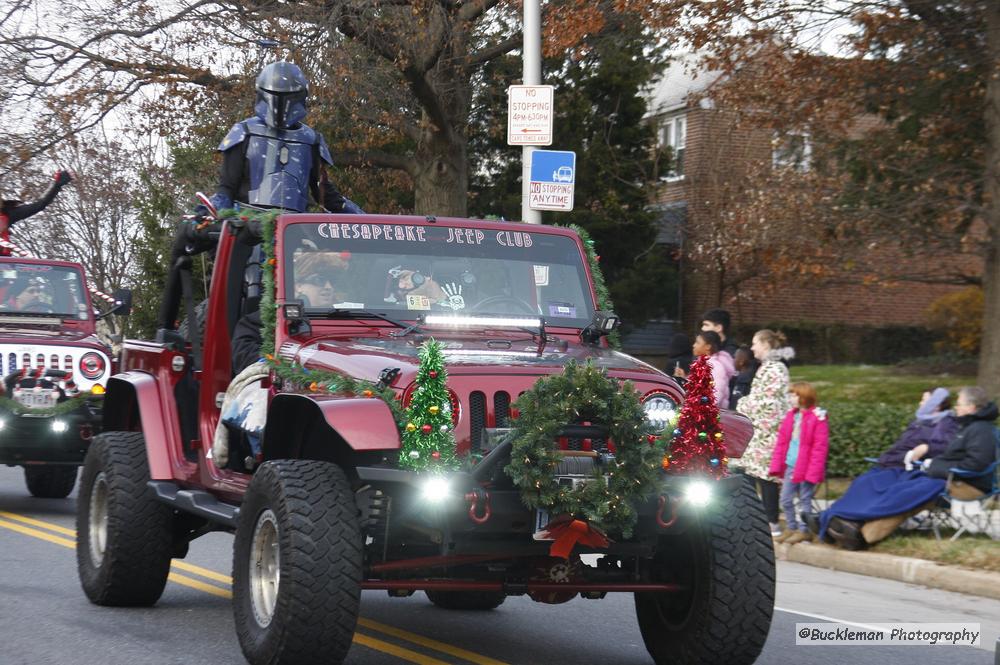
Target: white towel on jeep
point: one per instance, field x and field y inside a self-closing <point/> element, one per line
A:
<point x="245" y="406"/>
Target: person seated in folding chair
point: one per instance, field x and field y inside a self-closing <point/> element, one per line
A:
<point x="933" y="427"/>
<point x="879" y="501"/>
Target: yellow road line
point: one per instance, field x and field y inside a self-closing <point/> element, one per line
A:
<point x="28" y="531"/>
<point x="39" y="523"/>
<point x="397" y="651"/>
<point x="184" y="580"/>
<point x="443" y="647"/>
<point x="199" y="585"/>
<point x="204" y="572"/>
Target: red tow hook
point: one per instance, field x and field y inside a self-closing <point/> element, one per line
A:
<point x="661" y="504"/>
<point x="476" y="498"/>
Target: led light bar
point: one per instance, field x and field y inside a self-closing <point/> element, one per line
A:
<point x="495" y="321"/>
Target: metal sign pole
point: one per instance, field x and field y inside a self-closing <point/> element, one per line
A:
<point x="532" y="74"/>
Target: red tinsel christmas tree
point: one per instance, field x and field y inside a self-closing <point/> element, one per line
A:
<point x="697" y="445"/>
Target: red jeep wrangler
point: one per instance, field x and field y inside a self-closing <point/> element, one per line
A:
<point x="321" y="509"/>
<point x="55" y="369"/>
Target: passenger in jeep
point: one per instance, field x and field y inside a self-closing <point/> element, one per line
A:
<point x="12" y="210"/>
<point x="317" y="278"/>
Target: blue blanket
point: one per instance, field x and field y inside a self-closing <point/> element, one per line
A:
<point x="881" y="493"/>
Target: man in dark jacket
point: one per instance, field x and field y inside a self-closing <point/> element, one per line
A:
<point x="974" y="448"/>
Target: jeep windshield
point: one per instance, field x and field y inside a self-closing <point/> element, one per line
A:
<point x="33" y="289"/>
<point x="405" y="271"/>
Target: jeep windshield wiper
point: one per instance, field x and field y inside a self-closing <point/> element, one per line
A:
<point x="364" y="314"/>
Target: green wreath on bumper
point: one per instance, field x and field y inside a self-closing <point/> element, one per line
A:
<point x="585" y="394"/>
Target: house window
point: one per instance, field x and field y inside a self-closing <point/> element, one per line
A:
<point x="791" y="151"/>
<point x="673" y="135"/>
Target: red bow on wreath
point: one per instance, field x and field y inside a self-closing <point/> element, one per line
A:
<point x="568" y="533"/>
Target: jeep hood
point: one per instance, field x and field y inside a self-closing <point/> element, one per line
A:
<point x="365" y="358"/>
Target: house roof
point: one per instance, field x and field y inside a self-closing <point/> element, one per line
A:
<point x="683" y="78"/>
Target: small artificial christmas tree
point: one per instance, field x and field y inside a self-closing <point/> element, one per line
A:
<point x="428" y="436"/>
<point x="697" y="445"/>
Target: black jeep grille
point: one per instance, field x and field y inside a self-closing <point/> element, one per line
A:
<point x="477" y="420"/>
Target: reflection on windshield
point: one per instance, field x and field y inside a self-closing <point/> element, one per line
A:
<point x="410" y="270"/>
<point x="27" y="288"/>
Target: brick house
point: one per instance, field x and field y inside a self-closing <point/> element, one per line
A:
<point x="838" y="320"/>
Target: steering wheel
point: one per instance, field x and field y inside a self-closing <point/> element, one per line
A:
<point x="510" y="300"/>
<point x="38" y="307"/>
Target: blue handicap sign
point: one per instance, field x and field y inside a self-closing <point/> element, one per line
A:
<point x="555" y="166"/>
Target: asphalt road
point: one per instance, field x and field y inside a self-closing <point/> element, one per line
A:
<point x="45" y="618"/>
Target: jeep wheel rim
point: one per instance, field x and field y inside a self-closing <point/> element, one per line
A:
<point x="265" y="568"/>
<point x="98" y="526"/>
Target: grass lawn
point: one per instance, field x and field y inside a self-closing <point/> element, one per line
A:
<point x="872" y="383"/>
<point x="977" y="552"/>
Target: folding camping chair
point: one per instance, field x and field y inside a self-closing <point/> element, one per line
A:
<point x="980" y="517"/>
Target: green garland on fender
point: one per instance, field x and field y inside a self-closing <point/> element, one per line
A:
<point x="292" y="373"/>
<point x="600" y="286"/>
<point x="585" y="393"/>
<point x="62" y="408"/>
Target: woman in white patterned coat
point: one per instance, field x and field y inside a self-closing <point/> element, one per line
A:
<point x="765" y="406"/>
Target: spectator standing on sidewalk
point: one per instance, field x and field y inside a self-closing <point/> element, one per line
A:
<point x="718" y="321"/>
<point x="707" y="343"/>
<point x="746" y="367"/>
<point x="679" y="357"/>
<point x="765" y="406"/>
<point x="800" y="458"/>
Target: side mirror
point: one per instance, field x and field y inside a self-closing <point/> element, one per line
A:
<point x="604" y="323"/>
<point x="122" y="306"/>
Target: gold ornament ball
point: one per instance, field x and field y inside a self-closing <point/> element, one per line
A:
<point x="410" y="427"/>
<point x="434" y="409"/>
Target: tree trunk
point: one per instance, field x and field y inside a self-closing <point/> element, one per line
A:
<point x="441" y="183"/>
<point x="989" y="354"/>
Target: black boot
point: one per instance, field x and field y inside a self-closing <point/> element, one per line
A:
<point x="846" y="533"/>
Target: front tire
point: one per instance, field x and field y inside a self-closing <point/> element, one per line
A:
<point x="466" y="600"/>
<point x="726" y="564"/>
<point x="124" y="535"/>
<point x="297" y="565"/>
<point x="50" y="482"/>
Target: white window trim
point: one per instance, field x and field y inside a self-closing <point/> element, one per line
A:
<point x="667" y="138"/>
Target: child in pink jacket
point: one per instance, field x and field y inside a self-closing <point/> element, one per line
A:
<point x="708" y="343"/>
<point x="800" y="457"/>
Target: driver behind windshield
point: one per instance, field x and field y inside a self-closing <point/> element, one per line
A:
<point x="29" y="295"/>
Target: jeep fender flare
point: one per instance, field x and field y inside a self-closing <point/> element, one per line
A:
<point x="133" y="403"/>
<point x="328" y="427"/>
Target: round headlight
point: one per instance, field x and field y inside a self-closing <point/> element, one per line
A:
<point x="660" y="410"/>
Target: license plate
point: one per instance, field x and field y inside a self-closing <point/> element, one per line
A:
<point x="36" y="400"/>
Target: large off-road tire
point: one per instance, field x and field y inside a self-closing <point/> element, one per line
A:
<point x="297" y="565"/>
<point x="124" y="535"/>
<point x="726" y="564"/>
<point x="466" y="600"/>
<point x="50" y="482"/>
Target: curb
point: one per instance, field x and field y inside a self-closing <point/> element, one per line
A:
<point x="899" y="568"/>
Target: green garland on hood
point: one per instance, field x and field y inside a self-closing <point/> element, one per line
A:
<point x="68" y="405"/>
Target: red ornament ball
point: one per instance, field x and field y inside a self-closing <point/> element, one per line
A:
<point x="426" y="429"/>
<point x="436" y="455"/>
<point x="433" y="374"/>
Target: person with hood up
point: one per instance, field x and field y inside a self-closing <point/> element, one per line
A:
<point x="933" y="427"/>
<point x="708" y="343"/>
<point x="879" y="501"/>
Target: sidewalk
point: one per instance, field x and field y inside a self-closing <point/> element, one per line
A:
<point x="902" y="569"/>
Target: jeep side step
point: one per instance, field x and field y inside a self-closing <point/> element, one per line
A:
<point x="199" y="502"/>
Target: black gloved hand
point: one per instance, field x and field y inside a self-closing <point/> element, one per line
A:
<point x="62" y="177"/>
